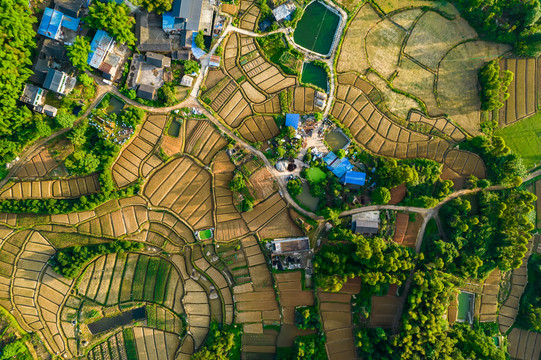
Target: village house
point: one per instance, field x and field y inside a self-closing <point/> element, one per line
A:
<point x="107" y="56"/>
<point x="365" y="223"/>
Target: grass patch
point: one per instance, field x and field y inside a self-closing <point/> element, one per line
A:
<point x="150" y="281"/>
<point x="205" y="234"/>
<point x="129" y="342"/>
<point x="315" y="175"/>
<point x="524" y="139"/>
<point x="139" y="278"/>
<point x="62" y="240"/>
<point x="161" y="281"/>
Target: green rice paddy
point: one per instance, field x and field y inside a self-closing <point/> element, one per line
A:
<point x="524" y="138"/>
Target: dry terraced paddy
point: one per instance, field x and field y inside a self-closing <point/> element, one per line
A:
<point x="292" y="295"/>
<point x="235" y="263"/>
<point x="113" y="348"/>
<point x="335" y="310"/>
<point x="255" y="302"/>
<point x="249" y="20"/>
<point x="271" y="106"/>
<point x="523" y="89"/>
<point x="509" y="308"/>
<point x="259" y="128"/>
<point x="229" y="222"/>
<point x="303" y="99"/>
<point x="524" y="345"/>
<point x="489" y="297"/>
<point x="281" y="226"/>
<point x="64" y="188"/>
<point x="152" y="344"/>
<point x="388" y="6"/>
<point x="137" y="155"/>
<point x="385" y="309"/>
<point x="203" y="140"/>
<point x="185" y="188"/>
<point x="422" y="53"/>
<point x="264" y="212"/>
<point x="38" y="166"/>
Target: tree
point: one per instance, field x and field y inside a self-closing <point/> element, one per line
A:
<point x="113" y="18"/>
<point x="42" y="127"/>
<point x="238" y="183"/>
<point x="18" y="41"/>
<point x="221" y="343"/>
<point x="158" y="6"/>
<point x="200" y="40"/>
<point x="85" y="80"/>
<point x="280" y="151"/>
<point x="65" y="119"/>
<point x="167" y="94"/>
<point x="132" y="116"/>
<point x="82" y="162"/>
<point x="493" y="86"/>
<point x="341" y="153"/>
<point x="78" y="53"/>
<point x="318" y="116"/>
<point x="294" y="187"/>
<point x="191" y="66"/>
<point x="15" y="350"/>
<point x="381" y="195"/>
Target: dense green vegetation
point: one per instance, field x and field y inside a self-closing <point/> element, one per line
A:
<point x="15" y="350"/>
<point x="70" y="261"/>
<point x="241" y="192"/>
<point x="307" y="317"/>
<point x="158" y="6"/>
<point x="294" y="187"/>
<point x="222" y="343"/>
<point x="374" y="260"/>
<point x="493" y="86"/>
<point x="200" y="40"/>
<point x="95" y="149"/>
<point x="503" y="166"/>
<point x="309" y="347"/>
<point x="78" y="53"/>
<point x="277" y="50"/>
<point x="113" y="18"/>
<point x="529" y="313"/>
<point x="495" y="235"/>
<point x="17" y="43"/>
<point x="515" y="22"/>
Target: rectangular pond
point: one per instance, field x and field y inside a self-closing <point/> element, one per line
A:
<point x="174" y="129"/>
<point x="465" y="306"/>
<point x="315" y="75"/>
<point x="316" y="29"/>
<point x="306" y="199"/>
<point x="124" y="318"/>
<point x="336" y="140"/>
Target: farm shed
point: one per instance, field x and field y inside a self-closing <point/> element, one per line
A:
<point x="146" y="92"/>
<point x="215" y="61"/>
<point x="339" y="167"/>
<point x="58" y="26"/>
<point x="185" y="15"/>
<point x="355" y="178"/>
<point x="106" y="56"/>
<point x="52" y="54"/>
<point x="186" y="81"/>
<point x="158" y="60"/>
<point x="293" y="120"/>
<point x="50" y="110"/>
<point x="365" y="222"/>
<point x="70" y="7"/>
<point x="290" y="245"/>
<point x="283" y="11"/>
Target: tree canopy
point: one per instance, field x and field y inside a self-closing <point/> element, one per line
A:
<point x="78" y="53"/>
<point x="113" y="18"/>
<point x="158" y="6"/>
<point x="221" y="344"/>
<point x="493" y="86"/>
<point x="17" y="40"/>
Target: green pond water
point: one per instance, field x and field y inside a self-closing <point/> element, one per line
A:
<point x="464" y="302"/>
<point x="315" y="30"/>
<point x="315" y="75"/>
<point x="336" y="140"/>
<point x="174" y="129"/>
<point x="115" y="105"/>
<point x="307" y="199"/>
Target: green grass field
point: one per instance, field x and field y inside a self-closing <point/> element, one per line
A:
<point x="161" y="281"/>
<point x="129" y="341"/>
<point x="524" y="138"/>
<point x="150" y="281"/>
<point x="315" y="174"/>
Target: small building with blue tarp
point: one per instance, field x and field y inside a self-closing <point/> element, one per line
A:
<point x="293" y="120"/>
<point x="355" y="178"/>
<point x="342" y="169"/>
<point x="58" y="26"/>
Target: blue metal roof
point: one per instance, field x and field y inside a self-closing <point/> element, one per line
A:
<point x="98" y="48"/>
<point x="329" y="158"/>
<point x="293" y="120"/>
<point x="50" y="23"/>
<point x="168" y="21"/>
<point x="354" y="178"/>
<point x="340" y="167"/>
<point x="70" y="23"/>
